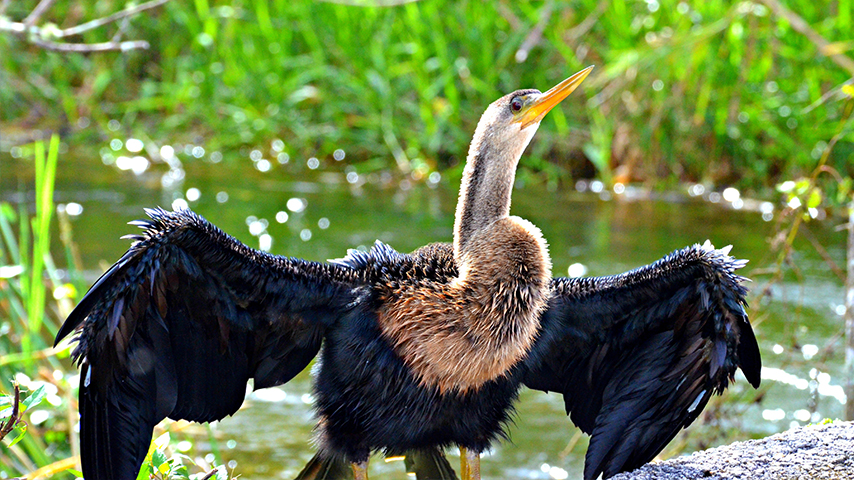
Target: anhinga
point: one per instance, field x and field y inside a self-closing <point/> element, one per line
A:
<point x="420" y="351"/>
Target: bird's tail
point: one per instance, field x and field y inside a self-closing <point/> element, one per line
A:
<point x="429" y="464"/>
<point x="326" y="468"/>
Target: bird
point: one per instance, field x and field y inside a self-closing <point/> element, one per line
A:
<point x="415" y="351"/>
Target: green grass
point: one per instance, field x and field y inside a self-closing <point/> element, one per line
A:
<point x="28" y="278"/>
<point x="714" y="91"/>
<point x="35" y="296"/>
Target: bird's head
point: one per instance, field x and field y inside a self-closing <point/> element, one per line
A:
<point x="510" y="122"/>
<point x="502" y="134"/>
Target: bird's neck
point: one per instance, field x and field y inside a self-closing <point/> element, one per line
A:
<point x="474" y="329"/>
<point x="484" y="197"/>
<point x="487" y="184"/>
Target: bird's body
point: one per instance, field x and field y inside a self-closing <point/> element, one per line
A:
<point x="374" y="386"/>
<point x="420" y="351"/>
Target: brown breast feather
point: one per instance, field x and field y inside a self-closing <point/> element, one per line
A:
<point x="458" y="335"/>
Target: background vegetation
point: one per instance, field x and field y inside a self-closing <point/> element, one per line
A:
<point x="721" y="92"/>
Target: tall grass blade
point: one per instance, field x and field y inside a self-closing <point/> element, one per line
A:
<point x="45" y="167"/>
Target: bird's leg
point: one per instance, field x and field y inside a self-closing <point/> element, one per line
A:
<point x="360" y="470"/>
<point x="469" y="464"/>
<point x="474" y="465"/>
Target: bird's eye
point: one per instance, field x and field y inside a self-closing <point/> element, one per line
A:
<point x="516" y="104"/>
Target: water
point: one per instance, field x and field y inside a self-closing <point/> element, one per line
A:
<point x="798" y="322"/>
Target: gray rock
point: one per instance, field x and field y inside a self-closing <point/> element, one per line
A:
<point x="815" y="452"/>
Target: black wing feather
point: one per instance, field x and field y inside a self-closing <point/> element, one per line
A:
<point x="637" y="356"/>
<point x="180" y="323"/>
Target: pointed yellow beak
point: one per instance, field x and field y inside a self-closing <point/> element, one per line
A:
<point x="541" y="106"/>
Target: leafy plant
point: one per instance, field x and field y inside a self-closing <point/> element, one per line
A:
<point x="11" y="409"/>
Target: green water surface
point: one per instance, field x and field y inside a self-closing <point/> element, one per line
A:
<point x="329" y="212"/>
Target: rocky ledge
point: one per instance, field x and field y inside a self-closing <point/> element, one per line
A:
<point x="813" y="452"/>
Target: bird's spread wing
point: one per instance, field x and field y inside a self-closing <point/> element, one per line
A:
<point x="180" y="323"/>
<point x="638" y="355"/>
